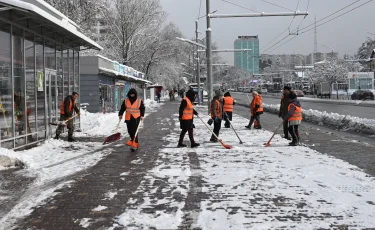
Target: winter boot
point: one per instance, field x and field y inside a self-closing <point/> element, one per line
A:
<point x="57" y="137"/>
<point x="258" y="127"/>
<point x="288" y="138"/>
<point x="213" y="140"/>
<point x="248" y="126"/>
<point x="71" y="139"/>
<point x="181" y="145"/>
<point x="293" y="143"/>
<point x="194" y="145"/>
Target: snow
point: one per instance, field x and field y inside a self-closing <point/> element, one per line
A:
<point x="100" y="208"/>
<point x="250" y="186"/>
<point x="85" y="222"/>
<point x="52" y="162"/>
<point x="345" y="122"/>
<point x="333" y="99"/>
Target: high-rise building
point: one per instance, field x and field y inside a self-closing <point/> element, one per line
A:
<point x="248" y="60"/>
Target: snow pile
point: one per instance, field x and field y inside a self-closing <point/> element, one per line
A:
<point x="7" y="162"/>
<point x="333" y="100"/>
<point x="339" y="121"/>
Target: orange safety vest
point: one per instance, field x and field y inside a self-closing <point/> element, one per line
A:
<point x="228" y="104"/>
<point x="256" y="100"/>
<point x="218" y="109"/>
<point x="188" y="111"/>
<point x="132" y="109"/>
<point x="297" y="115"/>
<point x="62" y="110"/>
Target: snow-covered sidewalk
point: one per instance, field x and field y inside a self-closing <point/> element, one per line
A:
<point x="249" y="186"/>
<point x="54" y="161"/>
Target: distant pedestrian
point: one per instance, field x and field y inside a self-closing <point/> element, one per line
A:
<point x="229" y="103"/>
<point x="294" y="118"/>
<point x="283" y="111"/>
<point x="158" y="96"/>
<point x="171" y="95"/>
<point x="135" y="111"/>
<point x="256" y="109"/>
<point x="68" y="106"/>
<point x="186" y="117"/>
<point x="217" y="113"/>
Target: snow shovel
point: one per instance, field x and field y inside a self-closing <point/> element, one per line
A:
<point x="133" y="144"/>
<point x="114" y="137"/>
<point x="63" y="123"/>
<point x="234" y="130"/>
<point x="221" y="142"/>
<point x="269" y="142"/>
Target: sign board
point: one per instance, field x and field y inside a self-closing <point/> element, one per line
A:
<point x="122" y="69"/>
<point x="116" y="66"/>
<point x="40" y="77"/>
<point x="352" y="75"/>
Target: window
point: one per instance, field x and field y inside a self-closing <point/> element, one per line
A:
<point x="30" y="85"/>
<point x="6" y="104"/>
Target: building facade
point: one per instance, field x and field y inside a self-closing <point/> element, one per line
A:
<point x="105" y="83"/>
<point x="39" y="66"/>
<point x="247" y="60"/>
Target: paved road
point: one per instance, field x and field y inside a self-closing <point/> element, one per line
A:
<point x="358" y="150"/>
<point x="356" y="111"/>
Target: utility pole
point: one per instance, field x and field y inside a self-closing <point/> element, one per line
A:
<point x="315" y="43"/>
<point x="197" y="69"/>
<point x="209" y="54"/>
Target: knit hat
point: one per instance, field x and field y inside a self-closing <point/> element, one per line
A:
<point x="287" y="87"/>
<point x="219" y="93"/>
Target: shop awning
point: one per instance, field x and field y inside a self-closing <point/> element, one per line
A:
<point x="39" y="17"/>
<point x="120" y="76"/>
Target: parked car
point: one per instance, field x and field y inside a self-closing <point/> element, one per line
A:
<point x="363" y="94"/>
<point x="299" y="93"/>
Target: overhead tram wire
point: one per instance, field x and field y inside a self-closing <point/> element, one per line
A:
<point x="326" y="22"/>
<point x="200" y="6"/>
<point x="317" y="21"/>
<point x="307" y="9"/>
<point x="276" y="5"/>
<point x="265" y="47"/>
<point x="243" y="7"/>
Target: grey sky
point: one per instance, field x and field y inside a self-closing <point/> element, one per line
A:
<point x="344" y="34"/>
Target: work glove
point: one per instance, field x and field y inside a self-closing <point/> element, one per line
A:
<point x="120" y="117"/>
<point x="254" y="111"/>
<point x="216" y="119"/>
<point x="196" y="113"/>
<point x="79" y="114"/>
<point x="142" y="118"/>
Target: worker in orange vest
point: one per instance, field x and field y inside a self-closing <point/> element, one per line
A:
<point x="294" y="118"/>
<point x="135" y="111"/>
<point x="186" y="117"/>
<point x="229" y="103"/>
<point x="66" y="111"/>
<point x="217" y="113"/>
<point x="256" y="109"/>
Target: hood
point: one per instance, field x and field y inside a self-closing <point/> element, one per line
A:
<point x="296" y="103"/>
<point x="227" y="94"/>
<point x="131" y="91"/>
<point x="191" y="95"/>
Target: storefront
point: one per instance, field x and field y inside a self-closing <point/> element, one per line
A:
<point x="105" y="83"/>
<point x="361" y="80"/>
<point x="39" y="66"/>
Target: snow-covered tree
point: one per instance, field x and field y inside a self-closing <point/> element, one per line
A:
<point x="365" y="50"/>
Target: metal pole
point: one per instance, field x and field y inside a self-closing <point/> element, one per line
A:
<point x="197" y="69"/>
<point x="209" y="54"/>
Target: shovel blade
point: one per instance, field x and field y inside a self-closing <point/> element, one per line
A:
<point x="112" y="138"/>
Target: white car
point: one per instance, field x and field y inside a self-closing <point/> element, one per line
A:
<point x="205" y="94"/>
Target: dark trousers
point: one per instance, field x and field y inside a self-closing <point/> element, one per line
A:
<point x="191" y="136"/>
<point x="293" y="130"/>
<point x="255" y="117"/>
<point x="286" y="128"/>
<point x="70" y="127"/>
<point x="229" y="118"/>
<point x="217" y="127"/>
<point x="132" y="126"/>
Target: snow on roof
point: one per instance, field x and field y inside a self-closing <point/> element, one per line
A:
<point x="64" y="23"/>
<point x="321" y="62"/>
<point x="124" y="75"/>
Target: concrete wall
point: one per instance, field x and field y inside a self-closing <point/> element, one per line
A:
<point x="90" y="92"/>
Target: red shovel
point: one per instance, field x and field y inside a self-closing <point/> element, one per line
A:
<point x="113" y="137"/>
